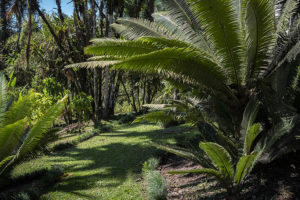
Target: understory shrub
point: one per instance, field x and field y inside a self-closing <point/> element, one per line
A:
<point x="128" y="118"/>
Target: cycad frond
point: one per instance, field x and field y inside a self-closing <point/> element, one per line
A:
<point x="178" y="61"/>
<point x="10" y="137"/>
<point x="164" y="42"/>
<point x="92" y="64"/>
<point x="219" y="156"/>
<point x="244" y="166"/>
<point x="142" y="27"/>
<point x="181" y="13"/>
<point x="119" y="48"/>
<point x="260" y="35"/>
<point x="19" y="109"/>
<point x="40" y="128"/>
<point x="3" y="97"/>
<point x="221" y="26"/>
<point x="104" y="58"/>
<point x="197" y="157"/>
<point x="182" y="31"/>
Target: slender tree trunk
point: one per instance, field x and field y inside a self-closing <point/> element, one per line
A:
<point x="4" y="23"/>
<point x="60" y="14"/>
<point x="133" y="98"/>
<point x="150" y="9"/>
<point x="102" y="16"/>
<point x="116" y="92"/>
<point x="127" y="94"/>
<point x="29" y="31"/>
<point x="106" y="94"/>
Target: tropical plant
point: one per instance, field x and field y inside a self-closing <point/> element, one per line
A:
<point x="18" y="137"/>
<point x="225" y="51"/>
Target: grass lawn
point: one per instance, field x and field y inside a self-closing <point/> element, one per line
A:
<point x="107" y="166"/>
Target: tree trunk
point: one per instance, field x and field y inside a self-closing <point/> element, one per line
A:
<point x="29" y="32"/>
<point x="106" y="94"/>
<point x="60" y="14"/>
<point x="150" y="10"/>
<point x="4" y="23"/>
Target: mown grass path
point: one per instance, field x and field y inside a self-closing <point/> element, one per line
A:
<point x="106" y="167"/>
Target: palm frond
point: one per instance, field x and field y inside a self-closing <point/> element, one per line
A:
<point x="222" y="29"/>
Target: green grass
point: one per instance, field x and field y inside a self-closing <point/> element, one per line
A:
<point x="104" y="167"/>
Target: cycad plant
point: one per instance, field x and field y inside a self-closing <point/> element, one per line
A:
<point x="18" y="137"/>
<point x="224" y="50"/>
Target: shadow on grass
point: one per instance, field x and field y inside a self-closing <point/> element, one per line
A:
<point x="101" y="163"/>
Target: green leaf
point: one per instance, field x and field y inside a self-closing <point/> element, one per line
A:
<point x="37" y="132"/>
<point x="221" y="26"/>
<point x="260" y="34"/>
<point x="252" y="133"/>
<point x="120" y="48"/>
<point x="219" y="156"/>
<point x="211" y="172"/>
<point x="11" y="136"/>
<point x="242" y="168"/>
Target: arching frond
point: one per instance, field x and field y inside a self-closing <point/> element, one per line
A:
<point x="181" y="13"/>
<point x="92" y="64"/>
<point x="11" y="136"/>
<point x="3" y="97"/>
<point x="119" y="48"/>
<point x="104" y="58"/>
<point x="40" y="128"/>
<point x="164" y="42"/>
<point x="178" y="61"/>
<point x="221" y="26"/>
<point x="182" y="30"/>
<point x="141" y="27"/>
<point x="260" y="23"/>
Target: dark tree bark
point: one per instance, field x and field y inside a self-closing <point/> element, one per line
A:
<point x="60" y="14"/>
<point x="149" y="10"/>
<point x="29" y="32"/>
<point x="4" y="23"/>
